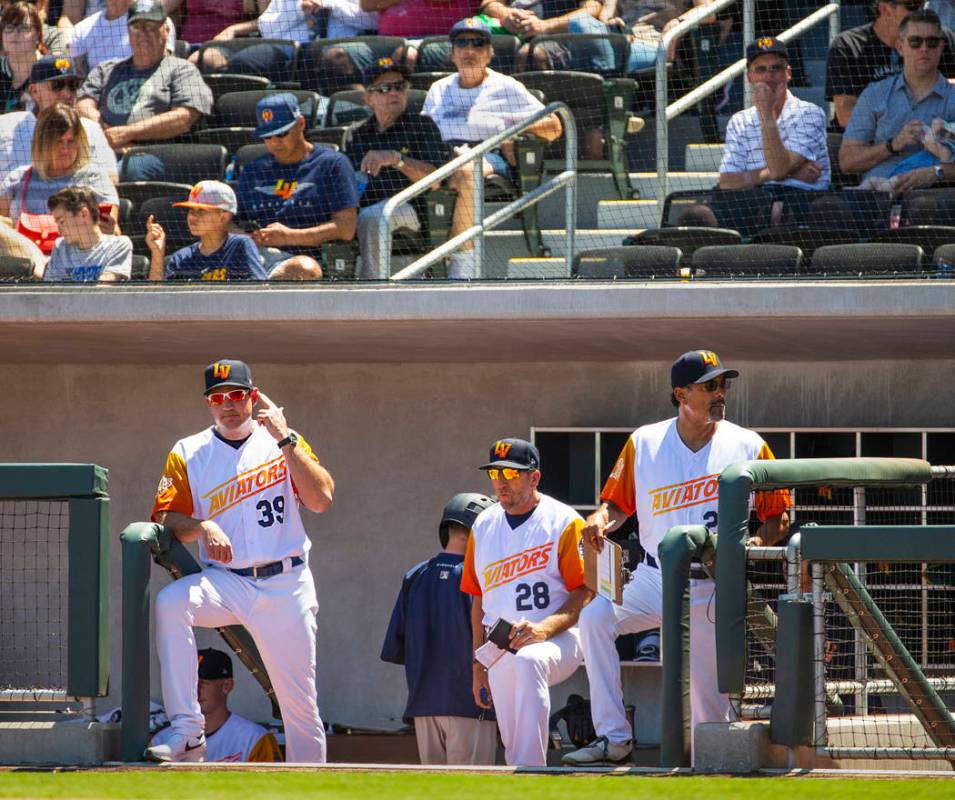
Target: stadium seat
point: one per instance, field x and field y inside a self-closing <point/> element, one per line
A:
<point x="139" y="269"/>
<point x="337" y="137"/>
<point x="928" y="237"/>
<point x="181" y="163"/>
<point x="172" y="219"/>
<point x="137" y="192"/>
<point x="839" y="179"/>
<point x="231" y="138"/>
<point x="15" y="268"/>
<point x="434" y="55"/>
<point x="223" y="83"/>
<point x="597" y="105"/>
<point x="283" y="72"/>
<point x="320" y="76"/>
<point x="944" y="253"/>
<point x="248" y="153"/>
<point x="648" y="261"/>
<point x="746" y="210"/>
<point x="856" y="259"/>
<point x="805" y="237"/>
<point x="864" y="212"/>
<point x="687" y="239"/>
<point x="934" y="206"/>
<point x="423" y="80"/>
<point x="237" y="109"/>
<point x="746" y="260"/>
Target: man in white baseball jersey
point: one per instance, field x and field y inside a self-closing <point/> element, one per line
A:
<point x="523" y="565"/>
<point x="235" y="488"/>
<point x="667" y="474"/>
<point x="229" y="737"/>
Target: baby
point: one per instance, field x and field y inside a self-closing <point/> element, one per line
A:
<point x="938" y="140"/>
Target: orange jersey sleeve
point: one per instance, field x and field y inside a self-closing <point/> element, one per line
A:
<point x="570" y="562"/>
<point x="266" y="749"/>
<point x="469" y="578"/>
<point x="771" y="504"/>
<point x="619" y="488"/>
<point x="173" y="493"/>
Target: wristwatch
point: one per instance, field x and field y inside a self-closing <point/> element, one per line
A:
<point x="291" y="439"/>
<point x="401" y="159"/>
<point x="890" y="148"/>
<point x="939" y="172"/>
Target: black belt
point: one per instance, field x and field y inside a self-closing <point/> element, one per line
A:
<point x="267" y="570"/>
<point x="696" y="573"/>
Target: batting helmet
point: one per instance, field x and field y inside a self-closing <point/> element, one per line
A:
<point x="462" y="508"/>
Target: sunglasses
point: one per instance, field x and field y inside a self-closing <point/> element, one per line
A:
<point x="470" y="41"/>
<point x="388" y="88"/>
<point x="235" y="396"/>
<point x="60" y="84"/>
<point x="768" y="69"/>
<point x="507" y="473"/>
<point x="715" y="385"/>
<point x="916" y="42"/>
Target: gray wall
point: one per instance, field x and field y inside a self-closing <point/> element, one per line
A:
<point x="399" y="440"/>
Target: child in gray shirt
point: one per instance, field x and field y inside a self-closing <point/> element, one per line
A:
<point x="83" y="252"/>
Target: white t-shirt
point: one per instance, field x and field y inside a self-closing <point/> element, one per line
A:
<point x="71" y="263"/>
<point x="101" y="39"/>
<point x="16" y="136"/>
<point x="473" y="115"/>
<point x="284" y="19"/>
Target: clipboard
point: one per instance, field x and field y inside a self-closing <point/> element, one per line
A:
<point x="603" y="571"/>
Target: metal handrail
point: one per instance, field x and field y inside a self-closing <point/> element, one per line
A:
<point x="665" y="113"/>
<point x="566" y="179"/>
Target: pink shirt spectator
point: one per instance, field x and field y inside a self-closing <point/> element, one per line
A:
<point x="417" y="18"/>
<point x="206" y="18"/>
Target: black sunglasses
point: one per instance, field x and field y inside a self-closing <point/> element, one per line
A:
<point x="386" y="88"/>
<point x="470" y="41"/>
<point x="916" y="42"/>
<point x="59" y="84"/>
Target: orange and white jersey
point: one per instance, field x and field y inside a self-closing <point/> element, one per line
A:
<point x="526" y="572"/>
<point x="666" y="484"/>
<point x="239" y="739"/>
<point x="247" y="491"/>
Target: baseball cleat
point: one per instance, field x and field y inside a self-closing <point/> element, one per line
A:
<point x="599" y="751"/>
<point x="179" y="748"/>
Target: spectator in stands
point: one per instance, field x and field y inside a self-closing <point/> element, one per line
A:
<point x="206" y="19"/>
<point x="52" y="80"/>
<point x="21" y="33"/>
<point x="945" y="10"/>
<point x="298" y="196"/>
<point x="218" y="255"/>
<point x="394" y="148"/>
<point x="697" y="215"/>
<point x="83" y="252"/>
<point x="105" y="35"/>
<point x="53" y="37"/>
<point x="296" y="20"/>
<point x="415" y="19"/>
<point x="780" y="140"/>
<point x="151" y="95"/>
<point x="60" y="159"/>
<point x="470" y="106"/>
<point x="866" y="54"/>
<point x="889" y="121"/>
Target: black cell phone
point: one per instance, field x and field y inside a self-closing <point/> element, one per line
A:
<point x="500" y="634"/>
<point x="248" y="225"/>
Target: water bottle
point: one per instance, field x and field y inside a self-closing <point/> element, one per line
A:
<point x="230" y="171"/>
<point x="362" y="179"/>
<point x="944" y="269"/>
<point x="895" y="216"/>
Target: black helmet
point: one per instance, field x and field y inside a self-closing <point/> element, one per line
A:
<point x="462" y="508"/>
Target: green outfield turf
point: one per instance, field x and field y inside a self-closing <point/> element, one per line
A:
<point x="418" y="786"/>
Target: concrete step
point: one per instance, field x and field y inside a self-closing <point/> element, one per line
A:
<point x="502" y="246"/>
<point x="704" y="157"/>
<point x="646" y="182"/>
<point x="537" y="268"/>
<point x="628" y="214"/>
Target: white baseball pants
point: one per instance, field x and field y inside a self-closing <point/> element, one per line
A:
<point x="519" y="687"/>
<point x="280" y="614"/>
<point x="601" y="622"/>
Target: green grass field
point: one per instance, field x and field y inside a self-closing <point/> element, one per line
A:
<point x="156" y="783"/>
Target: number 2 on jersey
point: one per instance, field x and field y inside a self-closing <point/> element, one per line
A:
<point x="532" y="596"/>
<point x="272" y="511"/>
<point x="709" y="520"/>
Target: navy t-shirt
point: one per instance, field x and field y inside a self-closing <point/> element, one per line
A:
<point x="430" y="633"/>
<point x="300" y="195"/>
<point x="237" y="259"/>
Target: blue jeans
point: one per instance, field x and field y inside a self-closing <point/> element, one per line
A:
<point x="643" y="54"/>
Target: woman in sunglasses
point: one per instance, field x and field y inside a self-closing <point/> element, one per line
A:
<point x="21" y="33"/>
<point x="472" y="105"/>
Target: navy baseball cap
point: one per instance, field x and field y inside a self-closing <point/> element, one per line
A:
<point x="275" y="114"/>
<point x="516" y="453"/>
<point x="764" y="45"/>
<point x="228" y="372"/>
<point x="51" y="68"/>
<point x="214" y="665"/>
<point x="698" y="366"/>
<point x="470" y="25"/>
<point x="382" y="67"/>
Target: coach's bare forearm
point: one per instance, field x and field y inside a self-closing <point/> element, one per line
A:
<point x="567" y="615"/>
<point x="774" y="530"/>
<point x="314" y="483"/>
<point x="185" y="528"/>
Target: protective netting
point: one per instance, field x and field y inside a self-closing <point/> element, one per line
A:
<point x="637" y="216"/>
<point x="34" y="574"/>
<point x="864" y="711"/>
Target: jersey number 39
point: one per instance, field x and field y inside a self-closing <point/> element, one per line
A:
<point x="272" y="511"/>
<point x="531" y="596"/>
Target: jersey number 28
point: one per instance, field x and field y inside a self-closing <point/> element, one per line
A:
<point x="272" y="511"/>
<point x="530" y="596"/>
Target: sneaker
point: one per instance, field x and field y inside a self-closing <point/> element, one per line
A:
<point x="462" y="266"/>
<point x="179" y="748"/>
<point x="599" y="751"/>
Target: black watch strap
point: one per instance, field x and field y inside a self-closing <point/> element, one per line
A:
<point x="890" y="148"/>
<point x="292" y="438"/>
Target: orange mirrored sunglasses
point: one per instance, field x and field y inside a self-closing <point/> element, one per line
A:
<point x="507" y="473"/>
<point x="236" y="396"/>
